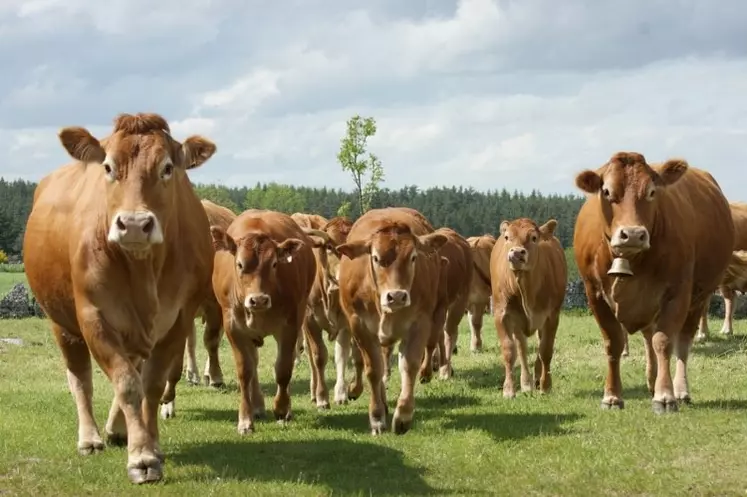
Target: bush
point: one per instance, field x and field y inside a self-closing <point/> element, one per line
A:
<point x="3" y="257"/>
<point x="11" y="268"/>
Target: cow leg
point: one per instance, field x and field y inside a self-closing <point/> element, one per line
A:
<point x="343" y="347"/>
<point x="671" y="328"/>
<point x="451" y="335"/>
<point x="429" y="360"/>
<point x="374" y="366"/>
<point x="300" y="347"/>
<point x="476" y="312"/>
<point x="318" y="361"/>
<point x="682" y="345"/>
<point x="386" y="355"/>
<point x="211" y="338"/>
<point x="241" y="345"/>
<point x="80" y="381"/>
<point x="703" y="330"/>
<point x="313" y="374"/>
<point x="411" y="351"/>
<point x="728" y="326"/>
<point x="520" y="338"/>
<point x="612" y="334"/>
<point x="626" y="350"/>
<point x="168" y="405"/>
<point x="284" y="362"/>
<point x="256" y="397"/>
<point x="651" y="364"/>
<point x="507" y="329"/>
<point x="542" y="374"/>
<point x="193" y="372"/>
<point x="356" y="386"/>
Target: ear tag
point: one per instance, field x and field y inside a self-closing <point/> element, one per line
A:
<point x="289" y="259"/>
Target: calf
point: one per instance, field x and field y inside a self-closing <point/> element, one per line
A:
<point x="264" y="270"/>
<point x="117" y="253"/>
<point x="528" y="278"/>
<point x="478" y="301"/>
<point x="670" y="234"/>
<point x="389" y="277"/>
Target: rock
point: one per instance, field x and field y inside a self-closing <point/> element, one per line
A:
<point x="12" y="341"/>
<point x="18" y="304"/>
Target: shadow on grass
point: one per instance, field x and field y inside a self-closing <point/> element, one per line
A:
<point x="367" y="468"/>
<point x="628" y="392"/>
<point x="721" y="404"/>
<point x="720" y="347"/>
<point x="446" y="401"/>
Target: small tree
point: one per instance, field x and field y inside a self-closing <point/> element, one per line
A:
<point x="352" y="158"/>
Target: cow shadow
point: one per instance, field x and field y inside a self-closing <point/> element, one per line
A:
<point x="639" y="392"/>
<point x="484" y="377"/>
<point x="342" y="466"/>
<point x="721" y="404"/>
<point x="720" y="347"/>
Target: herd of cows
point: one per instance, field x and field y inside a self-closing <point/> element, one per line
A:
<point x="122" y="256"/>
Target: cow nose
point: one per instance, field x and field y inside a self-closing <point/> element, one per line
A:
<point x="517" y="255"/>
<point x="630" y="237"/>
<point x="137" y="227"/>
<point x="258" y="301"/>
<point x="397" y="298"/>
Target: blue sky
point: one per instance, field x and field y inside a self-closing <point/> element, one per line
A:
<point x="518" y="94"/>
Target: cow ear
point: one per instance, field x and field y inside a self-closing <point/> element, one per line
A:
<point x="431" y="242"/>
<point x="317" y="242"/>
<point x="503" y="227"/>
<point x="672" y="170"/>
<point x="81" y="145"/>
<point x="444" y="261"/>
<point x="287" y="249"/>
<point x="589" y="181"/>
<point x="197" y="150"/>
<point x="547" y="230"/>
<point x="353" y="250"/>
<point x="222" y="240"/>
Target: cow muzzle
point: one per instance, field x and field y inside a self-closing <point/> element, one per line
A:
<point x="517" y="258"/>
<point x="135" y="231"/>
<point x="629" y="240"/>
<point x="394" y="300"/>
<point x="257" y="302"/>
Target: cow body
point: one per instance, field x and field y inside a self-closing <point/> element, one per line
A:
<point x="389" y="274"/>
<point x="480" y="288"/>
<point x="117" y="253"/>
<point x="671" y="222"/>
<point x="731" y="283"/>
<point x="264" y="270"/>
<point x="529" y="277"/>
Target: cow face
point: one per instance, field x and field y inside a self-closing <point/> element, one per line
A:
<point x="627" y="187"/>
<point x="520" y="240"/>
<point x="257" y="258"/>
<point x="394" y="252"/>
<point x="141" y="165"/>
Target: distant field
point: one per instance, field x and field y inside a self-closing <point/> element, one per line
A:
<point x="466" y="439"/>
<point x="7" y="280"/>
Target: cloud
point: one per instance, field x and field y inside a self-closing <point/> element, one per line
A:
<point x="480" y="93"/>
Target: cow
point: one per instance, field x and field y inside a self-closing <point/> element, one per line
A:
<point x="480" y="288"/>
<point x="389" y="273"/>
<point x="652" y="242"/>
<point x="458" y="279"/>
<point x="528" y="277"/>
<point x="264" y="270"/>
<point x="212" y="318"/>
<point x="117" y="253"/>
<point x="727" y="288"/>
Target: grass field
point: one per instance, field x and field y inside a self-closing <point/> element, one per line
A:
<point x="466" y="439"/>
<point x="7" y="280"/>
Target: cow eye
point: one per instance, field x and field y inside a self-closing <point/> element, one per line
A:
<point x="606" y="192"/>
<point x="274" y="263"/>
<point x="534" y="238"/>
<point x="239" y="265"/>
<point x="413" y="257"/>
<point x="376" y="258"/>
<point x="168" y="170"/>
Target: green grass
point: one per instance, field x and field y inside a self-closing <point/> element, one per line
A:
<point x="466" y="439"/>
<point x="7" y="280"/>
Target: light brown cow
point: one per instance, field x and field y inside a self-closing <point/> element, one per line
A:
<point x="529" y="276"/>
<point x="727" y="288"/>
<point x="480" y="289"/>
<point x="117" y="252"/>
<point x="669" y="226"/>
<point x="264" y="269"/>
<point x="458" y="280"/>
<point x="389" y="277"/>
<point x="212" y="318"/>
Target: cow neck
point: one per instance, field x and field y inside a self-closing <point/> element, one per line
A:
<point x="524" y="286"/>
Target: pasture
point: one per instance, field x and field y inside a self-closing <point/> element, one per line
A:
<point x="466" y="439"/>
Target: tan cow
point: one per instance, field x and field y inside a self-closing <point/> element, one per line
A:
<point x="212" y="318"/>
<point x="727" y="289"/>
<point x="117" y="252"/>
<point x="480" y="290"/>
<point x="389" y="277"/>
<point x="264" y="270"/>
<point x="670" y="233"/>
<point x="529" y="276"/>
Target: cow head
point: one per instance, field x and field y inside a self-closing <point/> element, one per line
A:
<point x="143" y="166"/>
<point x="627" y="187"/>
<point x="520" y="240"/>
<point x="393" y="251"/>
<point x="257" y="257"/>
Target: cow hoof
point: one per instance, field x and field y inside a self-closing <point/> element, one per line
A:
<point x="90" y="447"/>
<point x="259" y="413"/>
<point x="456" y="350"/>
<point x="283" y="418"/>
<point x="378" y="427"/>
<point x="352" y="396"/>
<point x="160" y="456"/>
<point x="245" y="428"/>
<point x="323" y="405"/>
<point x="509" y="394"/>
<point x="663" y="406"/>
<point x="612" y="404"/>
<point x="116" y="439"/>
<point x="193" y="377"/>
<point x="685" y="399"/>
<point x="400" y="427"/>
<point x="167" y="410"/>
<point x="146" y="474"/>
<point x="425" y="379"/>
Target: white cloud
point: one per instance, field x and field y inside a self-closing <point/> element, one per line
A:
<point x="480" y="93"/>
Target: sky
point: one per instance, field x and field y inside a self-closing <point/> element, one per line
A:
<point x="489" y="94"/>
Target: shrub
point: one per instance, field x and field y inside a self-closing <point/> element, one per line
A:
<point x="3" y="257"/>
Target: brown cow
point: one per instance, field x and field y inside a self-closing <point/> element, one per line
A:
<point x="529" y="276"/>
<point x="727" y="289"/>
<point x="670" y="226"/>
<point x="388" y="288"/>
<point x="264" y="269"/>
<point x="458" y="281"/>
<point x="212" y="317"/>
<point x="117" y="252"/>
<point x="480" y="289"/>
